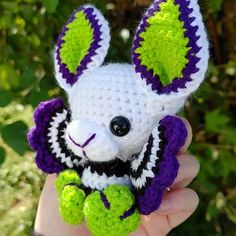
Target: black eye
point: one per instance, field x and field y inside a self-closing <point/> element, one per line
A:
<point x="120" y="126"/>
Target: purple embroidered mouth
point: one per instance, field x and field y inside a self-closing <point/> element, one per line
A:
<point x="87" y="142"/>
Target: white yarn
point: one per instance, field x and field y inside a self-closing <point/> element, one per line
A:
<point x="100" y="182"/>
<point x="140" y="182"/>
<point x="175" y="100"/>
<point x="108" y="92"/>
<point x="53" y="140"/>
<point x="101" y="52"/>
<point x="103" y="93"/>
<point x="101" y="148"/>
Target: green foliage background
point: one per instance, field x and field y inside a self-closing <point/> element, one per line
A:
<point x="29" y="29"/>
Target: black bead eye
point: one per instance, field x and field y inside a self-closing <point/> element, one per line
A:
<point x="120" y="126"/>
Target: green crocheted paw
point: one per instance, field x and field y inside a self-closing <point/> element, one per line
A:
<point x="111" y="212"/>
<point x="71" y="204"/>
<point x="67" y="177"/>
<point x="71" y="198"/>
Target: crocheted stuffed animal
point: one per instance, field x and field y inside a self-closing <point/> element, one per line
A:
<point x="114" y="148"/>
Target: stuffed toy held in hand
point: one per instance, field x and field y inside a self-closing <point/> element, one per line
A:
<point x="114" y="148"/>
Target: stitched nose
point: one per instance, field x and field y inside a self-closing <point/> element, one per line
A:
<point x="86" y="142"/>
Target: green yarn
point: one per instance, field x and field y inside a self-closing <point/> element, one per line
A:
<point x="65" y="178"/>
<point x="105" y="222"/>
<point x="77" y="41"/>
<point x="164" y="48"/>
<point x="74" y="206"/>
<point x="71" y="205"/>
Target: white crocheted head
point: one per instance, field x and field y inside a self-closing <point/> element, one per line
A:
<point x="116" y="106"/>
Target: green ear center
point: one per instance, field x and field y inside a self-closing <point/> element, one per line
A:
<point x="164" y="47"/>
<point x="77" y="41"/>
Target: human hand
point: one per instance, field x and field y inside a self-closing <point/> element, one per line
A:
<point x="178" y="204"/>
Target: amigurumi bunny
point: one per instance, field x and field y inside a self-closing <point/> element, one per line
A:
<point x="114" y="148"/>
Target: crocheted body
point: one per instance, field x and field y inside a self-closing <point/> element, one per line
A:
<point x="117" y="94"/>
<point x="98" y="176"/>
<point x="48" y="138"/>
<point x="114" y="148"/>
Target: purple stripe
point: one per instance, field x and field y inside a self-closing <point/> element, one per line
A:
<point x="37" y="136"/>
<point x="190" y="33"/>
<point x="72" y="140"/>
<point x="128" y="213"/>
<point x="85" y="154"/>
<point x="91" y="17"/>
<point x="175" y="134"/>
<point x="88" y="141"/>
<point x="84" y="145"/>
<point x="105" y="201"/>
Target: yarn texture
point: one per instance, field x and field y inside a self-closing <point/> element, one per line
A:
<point x="66" y="178"/>
<point x="114" y="145"/>
<point x="164" y="26"/>
<point x="71" y="203"/>
<point x="73" y="50"/>
<point x="197" y="47"/>
<point x="37" y="137"/>
<point x="111" y="212"/>
<point x="165" y="166"/>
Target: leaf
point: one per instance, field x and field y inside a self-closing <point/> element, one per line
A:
<point x="8" y="77"/>
<point x="216" y="121"/>
<point x="229" y="135"/>
<point x="226" y="157"/>
<point x="2" y="155"/>
<point x="35" y="97"/>
<point x="214" y="5"/>
<point x="5" y="98"/>
<point x="212" y="211"/>
<point x="51" y="5"/>
<point x="14" y="136"/>
<point x="28" y="77"/>
<point x="231" y="68"/>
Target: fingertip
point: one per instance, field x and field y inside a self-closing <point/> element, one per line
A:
<point x="189" y="168"/>
<point x="183" y="212"/>
<point x="189" y="135"/>
<point x="182" y="200"/>
<point x="189" y="160"/>
<point x="195" y="199"/>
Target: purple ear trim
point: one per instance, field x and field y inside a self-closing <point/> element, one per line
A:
<point x="190" y="33"/>
<point x="37" y="136"/>
<point x="175" y="134"/>
<point x="66" y="74"/>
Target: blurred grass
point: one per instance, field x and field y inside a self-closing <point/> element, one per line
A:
<point x="29" y="29"/>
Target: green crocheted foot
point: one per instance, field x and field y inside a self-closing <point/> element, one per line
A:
<point x="71" y="197"/>
<point x="111" y="212"/>
<point x="67" y="177"/>
<point x="71" y="205"/>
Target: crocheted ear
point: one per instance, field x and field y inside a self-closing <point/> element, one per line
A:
<point x="170" y="48"/>
<point x="81" y="46"/>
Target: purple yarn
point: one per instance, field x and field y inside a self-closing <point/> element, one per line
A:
<point x="104" y="200"/>
<point x="191" y="66"/>
<point x="128" y="213"/>
<point x="37" y="136"/>
<point x="91" y="17"/>
<point x="175" y="133"/>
